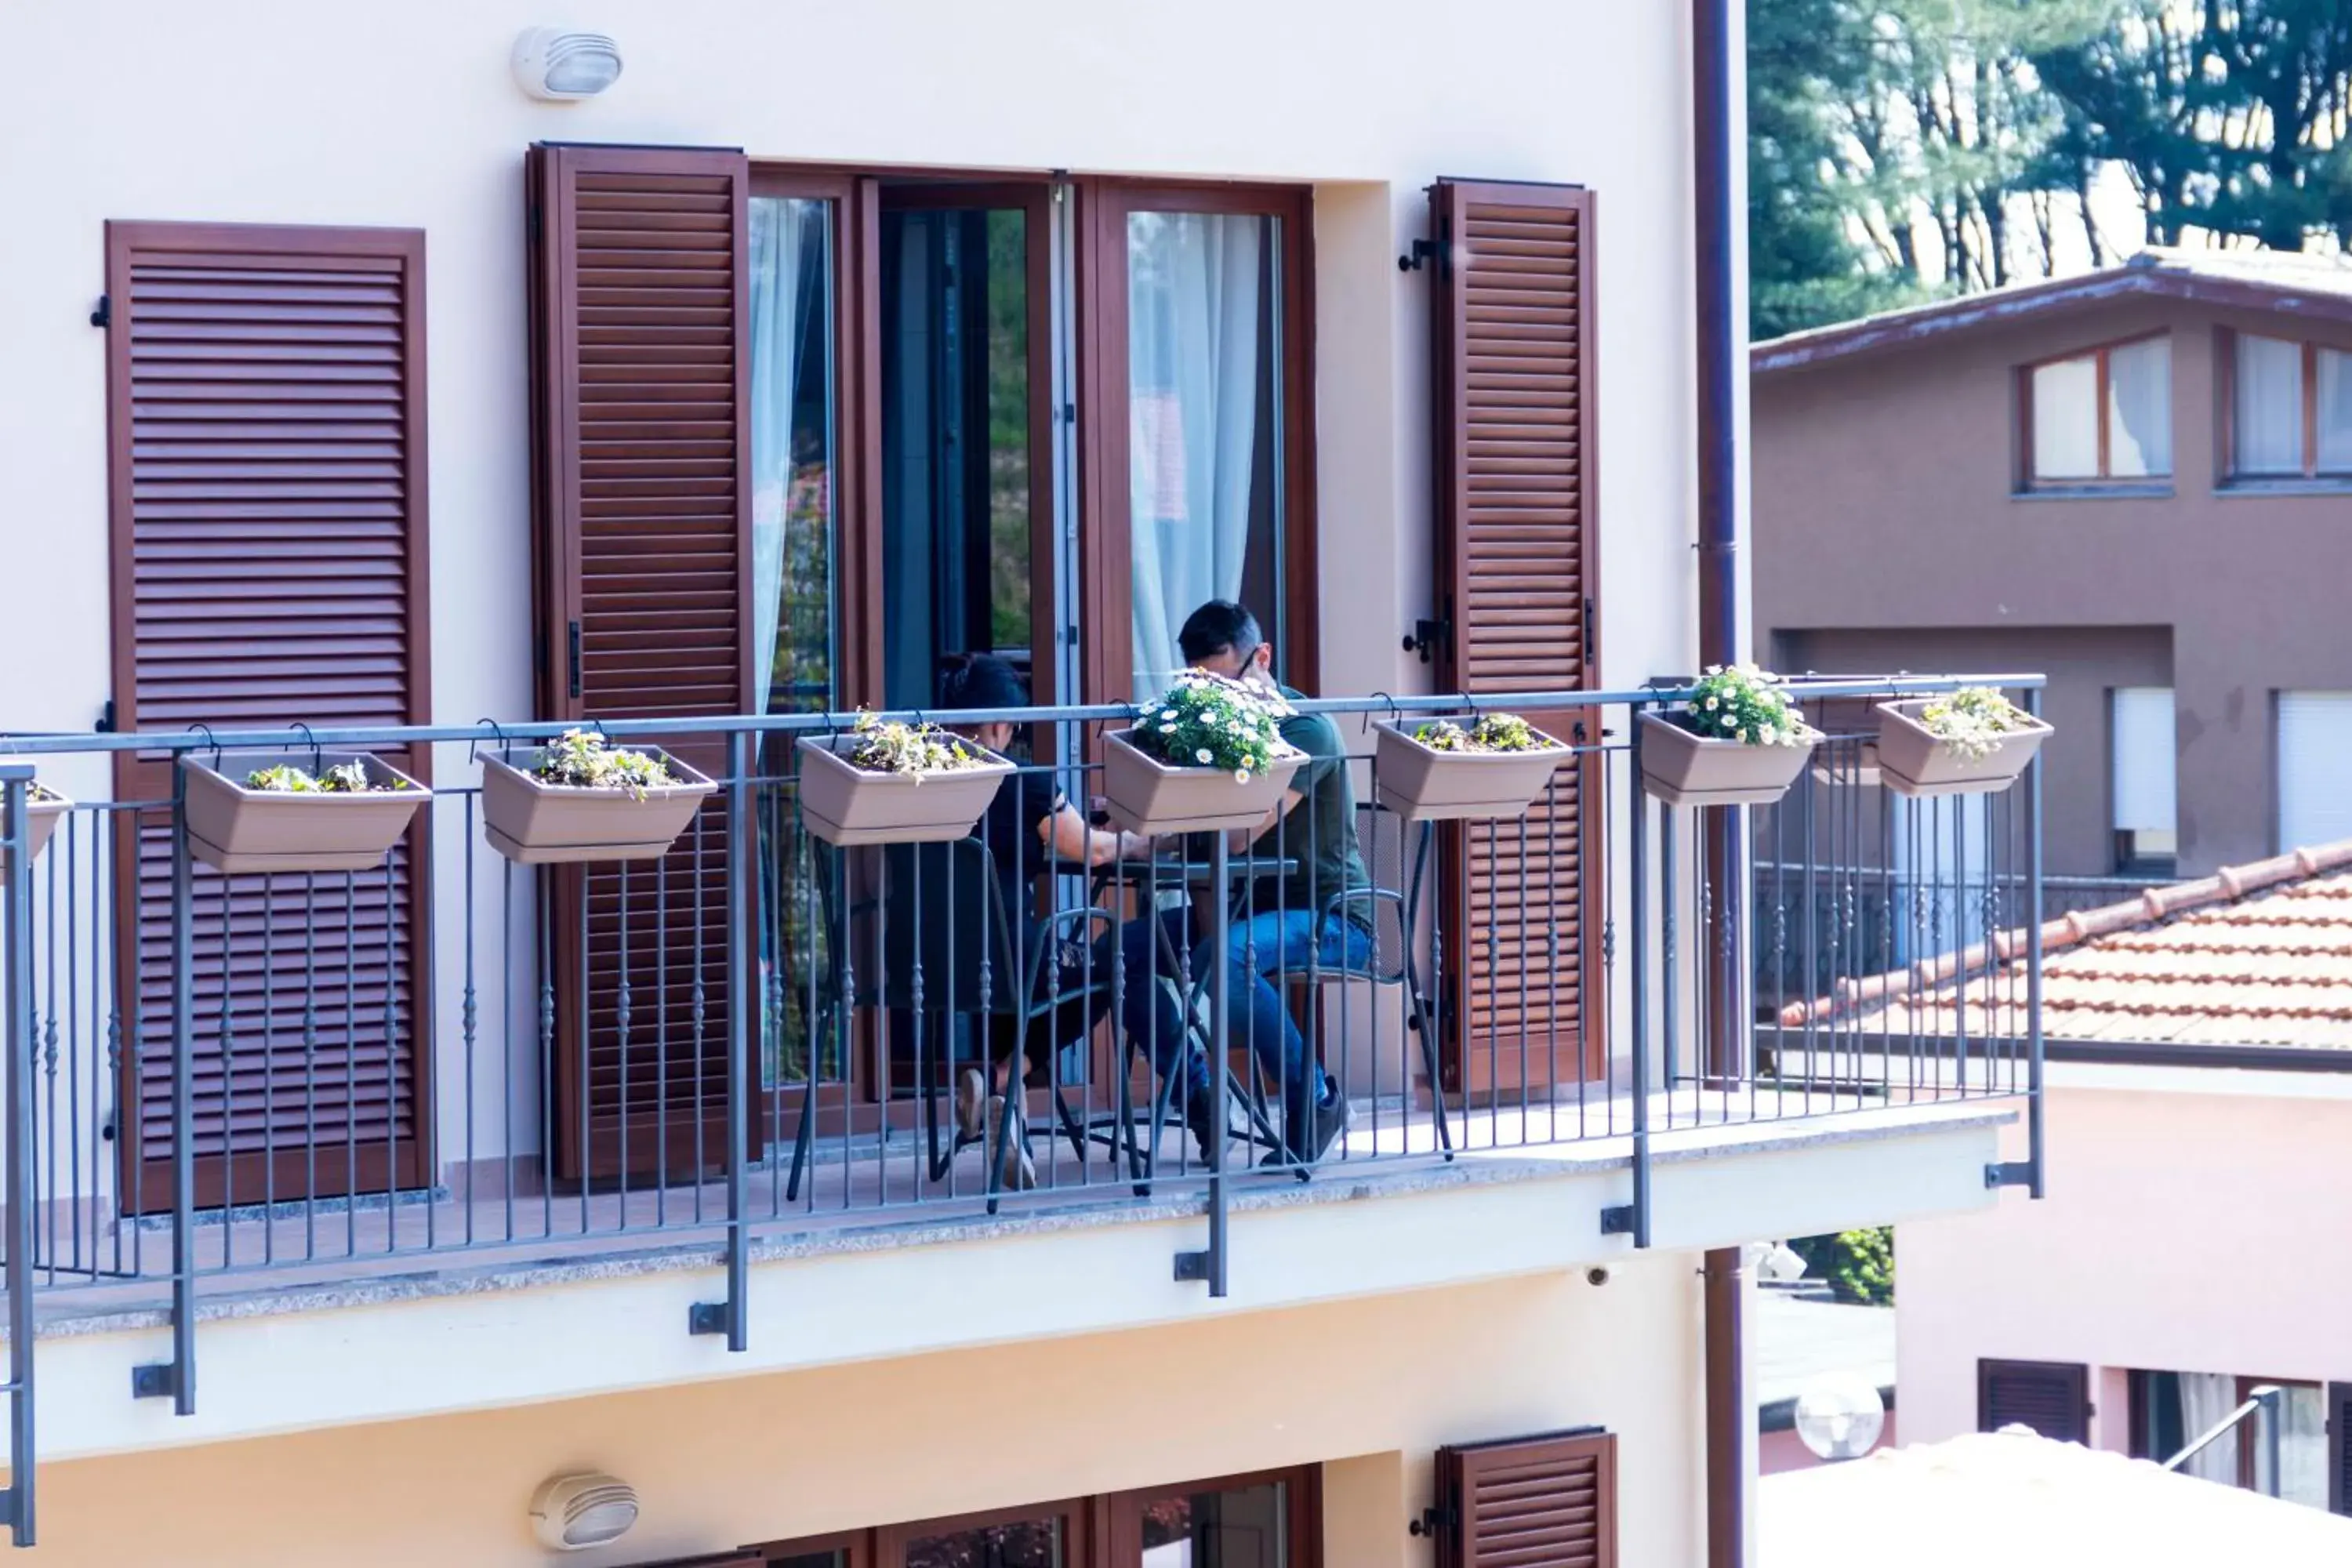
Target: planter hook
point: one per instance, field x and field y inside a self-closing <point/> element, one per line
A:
<point x="213" y="739"/>
<point x="474" y="749"/>
<point x="317" y="760"/>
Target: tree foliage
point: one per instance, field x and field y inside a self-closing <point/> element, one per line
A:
<point x="1901" y="149"/>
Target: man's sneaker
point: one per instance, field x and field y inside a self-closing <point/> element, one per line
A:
<point x="1016" y="1173"/>
<point x="970" y="1106"/>
<point x="1330" y="1120"/>
<point x="1205" y="1117"/>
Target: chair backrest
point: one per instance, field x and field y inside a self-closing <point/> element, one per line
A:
<point x="946" y="944"/>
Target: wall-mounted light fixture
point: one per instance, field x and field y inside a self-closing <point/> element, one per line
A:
<point x="563" y="63"/>
<point x="572" y="1513"/>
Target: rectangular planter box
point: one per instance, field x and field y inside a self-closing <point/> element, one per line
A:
<point x="1913" y="762"/>
<point x="533" y="823"/>
<point x="848" y="805"/>
<point x="41" y="819"/>
<point x="1682" y="768"/>
<point x="1421" y="783"/>
<point x="235" y="829"/>
<point x="1146" y="796"/>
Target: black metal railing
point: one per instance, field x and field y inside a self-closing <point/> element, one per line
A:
<point x="217" y="1080"/>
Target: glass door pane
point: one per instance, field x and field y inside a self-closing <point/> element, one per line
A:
<point x="1246" y="1527"/>
<point x="793" y="465"/>
<point x="1204" y="480"/>
<point x="1024" y="1543"/>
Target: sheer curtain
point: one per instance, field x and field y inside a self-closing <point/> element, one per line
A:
<point x="787" y="236"/>
<point x="2266" y="426"/>
<point x="2335" y="412"/>
<point x="1192" y="401"/>
<point x="2205" y="1398"/>
<point x="2140" y="399"/>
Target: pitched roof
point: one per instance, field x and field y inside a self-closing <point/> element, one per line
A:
<point x="2255" y="955"/>
<point x="2291" y="282"/>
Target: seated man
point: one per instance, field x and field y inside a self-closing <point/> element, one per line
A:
<point x="1307" y="917"/>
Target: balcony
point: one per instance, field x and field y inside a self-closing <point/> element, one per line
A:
<point x="237" y="1095"/>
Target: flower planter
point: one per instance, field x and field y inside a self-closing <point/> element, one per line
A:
<point x="1915" y="762"/>
<point x="1146" y="796"/>
<point x="1683" y="768"/>
<point x="41" y="818"/>
<point x="849" y="806"/>
<point x="1421" y="784"/>
<point x="534" y="823"/>
<point x="234" y="829"/>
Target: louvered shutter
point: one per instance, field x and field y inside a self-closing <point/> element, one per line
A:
<point x="2339" y="1447"/>
<point x="2054" y="1398"/>
<point x="1546" y="1501"/>
<point x="641" y="403"/>
<point x="267" y="477"/>
<point x="1511" y="355"/>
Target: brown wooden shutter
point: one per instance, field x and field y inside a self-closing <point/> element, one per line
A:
<point x="642" y="414"/>
<point x="1546" y="1501"/>
<point x="1517" y="547"/>
<point x="2339" y="1447"/>
<point x="267" y="447"/>
<point x="2051" y="1397"/>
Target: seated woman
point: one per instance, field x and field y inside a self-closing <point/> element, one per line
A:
<point x="1031" y="830"/>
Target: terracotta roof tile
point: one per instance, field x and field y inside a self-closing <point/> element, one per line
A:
<point x="2257" y="955"/>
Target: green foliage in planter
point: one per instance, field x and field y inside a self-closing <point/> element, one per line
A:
<point x="910" y="748"/>
<point x="582" y="759"/>
<point x="1492" y="732"/>
<point x="1972" y="721"/>
<point x="343" y="778"/>
<point x="1205" y="720"/>
<point x="1740" y="702"/>
<point x="1856" y="1265"/>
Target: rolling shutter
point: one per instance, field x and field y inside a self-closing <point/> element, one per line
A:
<point x="641" y="414"/>
<point x="265" y="404"/>
<point x="1528" y="1502"/>
<point x="2053" y="1398"/>
<point x="1517" y="547"/>
<point x="2314" y="754"/>
<point x="2339" y="1447"/>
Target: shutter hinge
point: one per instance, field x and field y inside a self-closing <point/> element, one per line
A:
<point x="1433" y="1519"/>
<point x="105" y="725"/>
<point x="1069" y="414"/>
<point x="1418" y="256"/>
<point x="103" y="315"/>
<point x="531" y="222"/>
<point x="1428" y="636"/>
<point x="574" y="639"/>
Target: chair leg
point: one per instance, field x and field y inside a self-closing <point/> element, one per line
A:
<point x="929" y="1085"/>
<point x="1426" y="1024"/>
<point x="801" y="1142"/>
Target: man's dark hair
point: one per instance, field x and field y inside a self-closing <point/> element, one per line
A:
<point x="1220" y="626"/>
<point x="974" y="680"/>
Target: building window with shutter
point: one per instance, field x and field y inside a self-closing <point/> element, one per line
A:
<point x="2100" y="418"/>
<point x="2315" y="758"/>
<point x="2170" y="1410"/>
<point x="2290" y="410"/>
<point x="2142" y="769"/>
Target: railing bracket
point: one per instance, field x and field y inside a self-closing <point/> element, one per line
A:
<point x="156" y="1380"/>
<point x="709" y="1318"/>
<point x="2009" y="1173"/>
<point x="1617" y="1220"/>
<point x="1192" y="1268"/>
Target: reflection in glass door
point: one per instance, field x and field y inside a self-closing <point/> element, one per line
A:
<point x="1021" y="1543"/>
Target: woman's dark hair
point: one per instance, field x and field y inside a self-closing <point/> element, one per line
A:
<point x="970" y="681"/>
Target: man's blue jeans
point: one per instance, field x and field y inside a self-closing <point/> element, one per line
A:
<point x="1267" y="945"/>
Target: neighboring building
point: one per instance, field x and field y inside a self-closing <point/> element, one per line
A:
<point x="830" y="341"/>
<point x="2136" y="481"/>
<point x="2199" y="1105"/>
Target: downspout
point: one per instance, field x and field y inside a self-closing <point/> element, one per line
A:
<point x="1730" y="1412"/>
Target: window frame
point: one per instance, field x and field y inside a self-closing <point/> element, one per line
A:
<point x="2226" y="374"/>
<point x="2105" y="481"/>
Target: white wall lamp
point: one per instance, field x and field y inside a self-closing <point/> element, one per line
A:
<point x="573" y="1514"/>
<point x="564" y="65"/>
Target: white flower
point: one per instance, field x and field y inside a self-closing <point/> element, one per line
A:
<point x="1204" y="755"/>
<point x="1241" y="775"/>
<point x="1742" y="734"/>
<point x="1768" y="735"/>
<point x="1712" y="704"/>
<point x="1166" y="728"/>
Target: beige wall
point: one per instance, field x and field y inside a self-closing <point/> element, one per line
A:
<point x="2193" y="1225"/>
<point x="1378" y="1382"/>
<point x="1885" y="502"/>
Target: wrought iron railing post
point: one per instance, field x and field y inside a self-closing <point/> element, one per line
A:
<point x="182" y="1380"/>
<point x="1210" y="1266"/>
<point x="728" y="1316"/>
<point x="1635" y="1220"/>
<point x="16" y="795"/>
<point x="2033" y="957"/>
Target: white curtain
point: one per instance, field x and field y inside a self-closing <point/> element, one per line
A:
<point x="1192" y="415"/>
<point x="2139" y="398"/>
<point x="2065" y="420"/>
<point x="786" y="234"/>
<point x="2205" y="1398"/>
<point x="2267" y="425"/>
<point x="2335" y="412"/>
